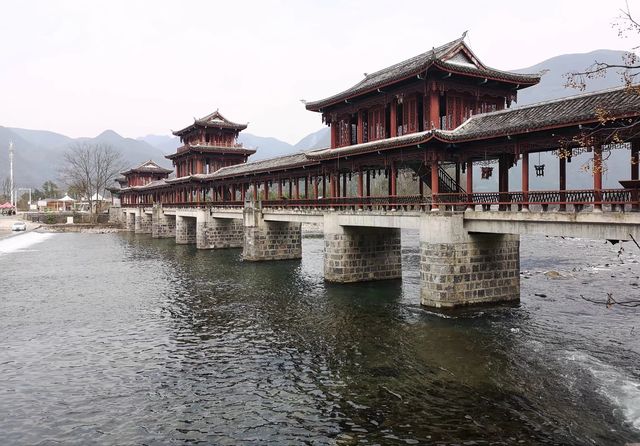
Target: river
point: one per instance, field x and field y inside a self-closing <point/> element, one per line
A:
<point x="124" y="339"/>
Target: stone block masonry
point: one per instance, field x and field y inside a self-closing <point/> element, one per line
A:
<point x="459" y="268"/>
<point x="185" y="230"/>
<point x="270" y="240"/>
<point x="357" y="254"/>
<point x="216" y="233"/>
<point x="162" y="226"/>
<point x="143" y="223"/>
<point x="116" y="215"/>
<point x="130" y="221"/>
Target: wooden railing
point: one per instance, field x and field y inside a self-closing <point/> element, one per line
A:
<point x="576" y="199"/>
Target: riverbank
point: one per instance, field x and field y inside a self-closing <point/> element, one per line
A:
<point x="6" y="221"/>
<point x="85" y="228"/>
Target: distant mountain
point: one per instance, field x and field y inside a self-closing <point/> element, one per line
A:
<point x="316" y="140"/>
<point x="38" y="153"/>
<point x="267" y="147"/>
<point x="166" y="144"/>
<point x="552" y="85"/>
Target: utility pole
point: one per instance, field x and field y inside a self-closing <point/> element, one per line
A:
<point x="13" y="198"/>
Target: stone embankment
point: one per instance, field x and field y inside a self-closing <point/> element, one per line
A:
<point x="84" y="228"/>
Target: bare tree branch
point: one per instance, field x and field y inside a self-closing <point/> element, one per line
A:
<point x="89" y="168"/>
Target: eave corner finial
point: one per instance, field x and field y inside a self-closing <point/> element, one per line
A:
<point x="464" y="34"/>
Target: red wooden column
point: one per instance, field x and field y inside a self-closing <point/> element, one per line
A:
<point x="635" y="160"/>
<point x="332" y="185"/>
<point x="315" y="187"/>
<point x="334" y="134"/>
<point x="470" y="205"/>
<point x="233" y="192"/>
<point x="306" y="187"/>
<point x="279" y="189"/>
<point x="336" y="178"/>
<point x="635" y="172"/>
<point x="324" y="185"/>
<point x="434" y="109"/>
<point x="290" y="189"/>
<point x="563" y="183"/>
<point x="265" y="195"/>
<point x="597" y="177"/>
<point x="360" y="127"/>
<point x="368" y="183"/>
<point x="525" y="181"/>
<point x="435" y="185"/>
<point x="393" y="174"/>
<point x="296" y="189"/>
<point x="360" y="185"/>
<point x="344" y="185"/>
<point x="503" y="182"/>
<point x="393" y="121"/>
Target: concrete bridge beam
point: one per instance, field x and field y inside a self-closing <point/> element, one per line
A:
<point x="185" y="230"/>
<point x="458" y="268"/>
<point x="358" y="254"/>
<point x="270" y="240"/>
<point x="216" y="233"/>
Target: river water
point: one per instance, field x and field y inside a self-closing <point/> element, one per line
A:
<point x="123" y="339"/>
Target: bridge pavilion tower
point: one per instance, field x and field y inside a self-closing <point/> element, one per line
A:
<point x="209" y="144"/>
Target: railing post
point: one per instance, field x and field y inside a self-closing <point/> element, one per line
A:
<point x="563" y="183"/>
<point x="435" y="186"/>
<point x="635" y="174"/>
<point x="597" y="178"/>
<point x="470" y="206"/>
<point x="525" y="182"/>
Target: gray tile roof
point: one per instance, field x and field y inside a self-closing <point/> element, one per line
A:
<point x="279" y="163"/>
<point x="215" y="120"/>
<point x="582" y="108"/>
<point x="147" y="167"/>
<point x="578" y="109"/>
<point x="574" y="110"/>
<point x="418" y="64"/>
<point x="202" y="148"/>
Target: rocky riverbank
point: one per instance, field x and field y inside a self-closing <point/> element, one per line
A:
<point x="88" y="228"/>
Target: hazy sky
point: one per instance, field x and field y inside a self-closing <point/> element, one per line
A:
<point x="146" y="67"/>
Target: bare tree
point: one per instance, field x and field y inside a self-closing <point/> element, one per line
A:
<point x="608" y="132"/>
<point x="629" y="67"/>
<point x="89" y="168"/>
<point x="5" y="189"/>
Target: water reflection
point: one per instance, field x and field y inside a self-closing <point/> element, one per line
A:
<point x="154" y="342"/>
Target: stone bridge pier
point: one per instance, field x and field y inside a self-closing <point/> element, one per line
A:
<point x="162" y="225"/>
<point x="185" y="229"/>
<point x="216" y="233"/>
<point x="357" y="254"/>
<point x="270" y="240"/>
<point x="143" y="222"/>
<point x="459" y="268"/>
<point x="130" y="220"/>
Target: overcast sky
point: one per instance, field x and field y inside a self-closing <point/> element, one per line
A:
<point x="146" y="67"/>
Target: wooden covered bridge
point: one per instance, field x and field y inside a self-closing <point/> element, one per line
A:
<point x="425" y="126"/>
